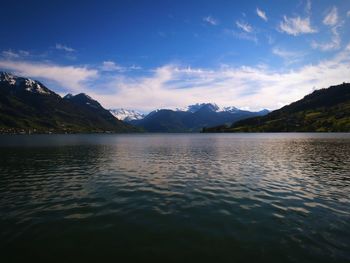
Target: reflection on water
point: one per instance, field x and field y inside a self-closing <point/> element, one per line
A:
<point x="180" y="197"/>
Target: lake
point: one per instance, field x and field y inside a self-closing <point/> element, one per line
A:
<point x="175" y="198"/>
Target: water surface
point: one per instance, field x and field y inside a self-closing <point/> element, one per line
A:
<point x="175" y="198"/>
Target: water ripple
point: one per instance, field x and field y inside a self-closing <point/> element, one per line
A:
<point x="275" y="198"/>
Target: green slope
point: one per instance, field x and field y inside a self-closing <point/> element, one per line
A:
<point x="26" y="111"/>
<point x="325" y="110"/>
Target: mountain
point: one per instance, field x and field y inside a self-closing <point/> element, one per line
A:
<point x="85" y="101"/>
<point x="18" y="84"/>
<point x="191" y="119"/>
<point x="324" y="110"/>
<point x="127" y="115"/>
<point x="27" y="105"/>
<point x="211" y="106"/>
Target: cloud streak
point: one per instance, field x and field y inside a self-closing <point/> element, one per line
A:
<point x="289" y="57"/>
<point x="111" y="66"/>
<point x="261" y="14"/>
<point x="211" y="20"/>
<point x="331" y="18"/>
<point x="254" y="88"/>
<point x="333" y="44"/>
<point x="10" y="54"/>
<point x="64" y="48"/>
<point x="244" y="26"/>
<point x="296" y="26"/>
<point x="173" y="85"/>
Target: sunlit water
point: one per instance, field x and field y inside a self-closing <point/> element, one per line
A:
<point x="175" y="198"/>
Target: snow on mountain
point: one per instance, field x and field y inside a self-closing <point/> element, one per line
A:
<point x="209" y="106"/>
<point x="9" y="78"/>
<point x="195" y="107"/>
<point x="198" y="106"/>
<point x="127" y="115"/>
<point x="231" y="109"/>
<point x="26" y="83"/>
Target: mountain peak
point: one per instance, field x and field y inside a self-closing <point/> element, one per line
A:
<point x="209" y="107"/>
<point x="26" y="107"/>
<point x="24" y="83"/>
<point x="203" y="106"/>
<point x="4" y="75"/>
<point x="127" y="114"/>
<point x="264" y="111"/>
<point x="84" y="95"/>
<point x="83" y="99"/>
<point x="231" y="109"/>
<point x="7" y="77"/>
<point x="68" y="96"/>
<point x="81" y="96"/>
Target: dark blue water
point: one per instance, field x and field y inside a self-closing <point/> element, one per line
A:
<point x="175" y="198"/>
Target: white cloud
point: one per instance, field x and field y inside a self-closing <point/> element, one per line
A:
<point x="333" y="44"/>
<point x="288" y="56"/>
<point x="261" y="14"/>
<point x="10" y="54"/>
<point x="64" y="48"/>
<point x="111" y="66"/>
<point x="244" y="26"/>
<point x="296" y="26"/>
<point x="348" y="13"/>
<point x="253" y="88"/>
<point x="211" y="20"/>
<point x="135" y="67"/>
<point x="331" y="18"/>
<point x="72" y="78"/>
<point x="172" y="86"/>
<point x="245" y="32"/>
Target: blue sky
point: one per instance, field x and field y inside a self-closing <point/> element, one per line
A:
<point x="167" y="54"/>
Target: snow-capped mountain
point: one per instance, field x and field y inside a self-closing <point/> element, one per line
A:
<point x="127" y="115"/>
<point x="192" y="118"/>
<point x="230" y="109"/>
<point x="200" y="106"/>
<point x="195" y="107"/>
<point x="27" y="105"/>
<point x="21" y="83"/>
<point x="208" y="106"/>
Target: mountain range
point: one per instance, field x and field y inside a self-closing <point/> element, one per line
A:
<point x="27" y="105"/>
<point x="127" y="115"/>
<point x="324" y="110"/>
<point x="192" y="118"/>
